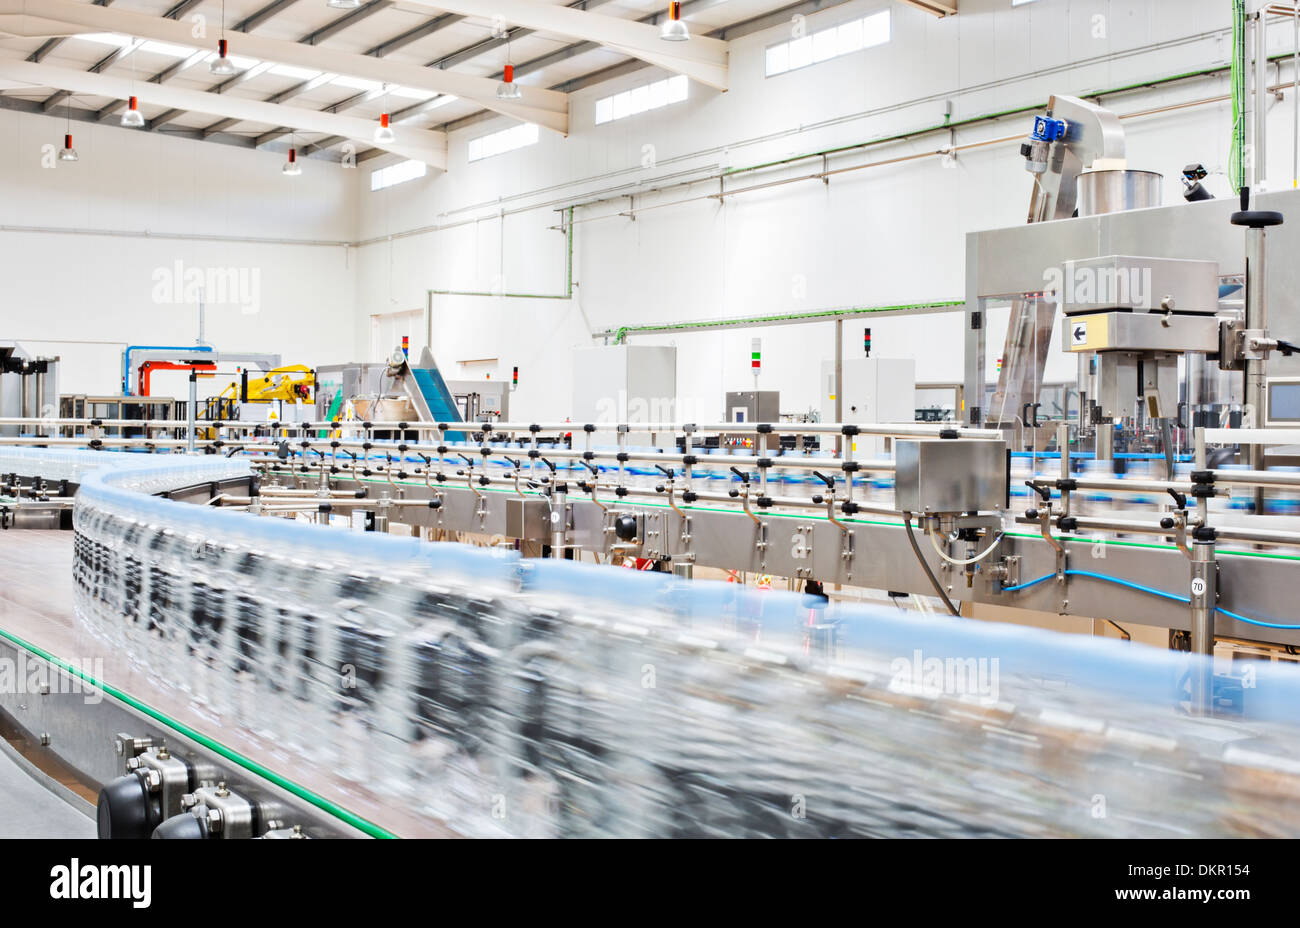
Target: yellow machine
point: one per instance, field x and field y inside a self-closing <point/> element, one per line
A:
<point x="293" y="383"/>
<point x="279" y="385"/>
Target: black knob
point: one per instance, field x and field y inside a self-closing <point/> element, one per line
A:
<point x="1166" y="523"/>
<point x="124" y="809"/>
<point x="625" y="527"/>
<point x="185" y="825"/>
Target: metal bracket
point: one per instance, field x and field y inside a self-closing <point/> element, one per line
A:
<point x="801" y="549"/>
<point x="1003" y="574"/>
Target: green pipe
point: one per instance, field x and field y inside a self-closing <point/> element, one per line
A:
<point x="568" y="279"/>
<point x="252" y="766"/>
<point x="621" y="333"/>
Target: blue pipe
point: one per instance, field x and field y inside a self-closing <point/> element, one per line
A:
<point x="1143" y="589"/>
<point x="126" y="359"/>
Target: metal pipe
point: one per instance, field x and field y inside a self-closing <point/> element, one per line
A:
<point x="559" y="520"/>
<point x="1259" y="148"/>
<point x="1203" y="602"/>
<point x="22" y="394"/>
<point x="917" y="430"/>
<point x="839" y="381"/>
<point x="1256" y="319"/>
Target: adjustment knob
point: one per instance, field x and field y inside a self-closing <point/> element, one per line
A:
<point x="124" y="809"/>
<point x="186" y="825"/>
<point x="625" y="527"/>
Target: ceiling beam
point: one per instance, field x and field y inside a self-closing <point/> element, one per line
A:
<point x="250" y="23"/>
<point x="701" y="59"/>
<point x="733" y="31"/>
<point x="104" y="64"/>
<point x="51" y="44"/>
<point x="247" y="24"/>
<point x="547" y="108"/>
<point x="387" y="47"/>
<point x="940" y="8"/>
<point x="418" y="144"/>
<point x="457" y="57"/>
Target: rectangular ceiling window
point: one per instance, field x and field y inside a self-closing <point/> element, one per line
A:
<point x="395" y="174"/>
<point x="498" y="143"/>
<point x="640" y="99"/>
<point x="825" y="44"/>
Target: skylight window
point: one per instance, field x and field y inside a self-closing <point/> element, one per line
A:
<point x="357" y="83"/>
<point x="498" y="143"/>
<point x="639" y="99"/>
<point x="411" y="93"/>
<point x="395" y="174"/>
<point x="289" y="70"/>
<point x="826" y="44"/>
<point x="167" y="49"/>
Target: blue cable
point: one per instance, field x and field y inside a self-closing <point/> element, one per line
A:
<point x="1144" y="589"/>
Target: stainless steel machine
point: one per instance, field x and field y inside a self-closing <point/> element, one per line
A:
<point x="29" y="386"/>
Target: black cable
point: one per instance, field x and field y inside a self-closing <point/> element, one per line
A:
<point x="934" y="581"/>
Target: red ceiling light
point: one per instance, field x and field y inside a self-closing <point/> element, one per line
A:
<point x="133" y="118"/>
<point x="674" y="30"/>
<point x="384" y="133"/>
<point x="222" y="65"/>
<point x="508" y="89"/>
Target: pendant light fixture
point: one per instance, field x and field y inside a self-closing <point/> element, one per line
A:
<point x="221" y="65"/>
<point x="384" y="134"/>
<point x="68" y="153"/>
<point x="133" y="118"/>
<point x="508" y="89"/>
<point x="674" y="30"/>
<point x="291" y="167"/>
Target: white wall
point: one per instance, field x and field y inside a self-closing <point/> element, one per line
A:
<point x="891" y="234"/>
<point x="888" y="234"/>
<point x="84" y="295"/>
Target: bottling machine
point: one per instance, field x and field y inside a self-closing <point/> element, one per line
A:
<point x="412" y="626"/>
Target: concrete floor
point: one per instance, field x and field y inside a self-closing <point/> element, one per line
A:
<point x="29" y="810"/>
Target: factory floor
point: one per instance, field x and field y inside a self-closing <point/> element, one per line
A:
<point x="29" y="810"/>
<point x="37" y="606"/>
